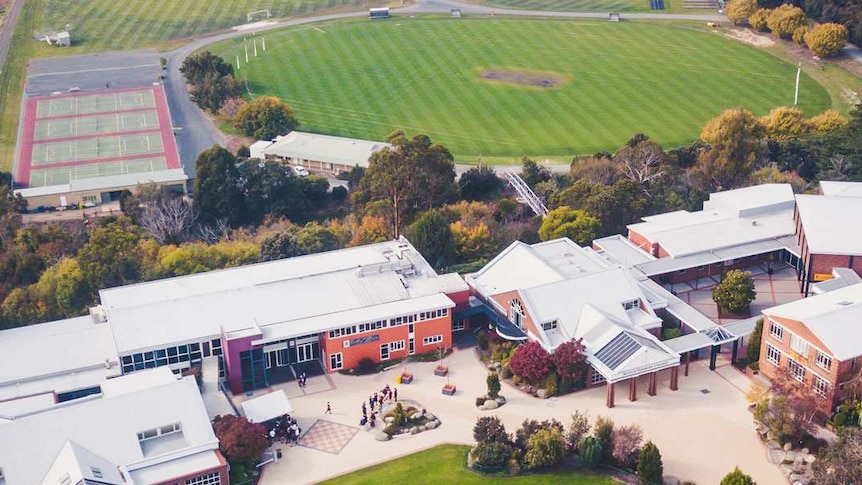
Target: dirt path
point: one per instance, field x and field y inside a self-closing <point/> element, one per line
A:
<point x="7" y="29"/>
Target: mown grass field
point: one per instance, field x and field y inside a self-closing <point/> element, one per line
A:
<point x="103" y="25"/>
<point x="671" y="6"/>
<point x="446" y="464"/>
<point x="364" y="79"/>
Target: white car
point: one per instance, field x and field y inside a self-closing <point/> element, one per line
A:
<point x="300" y="171"/>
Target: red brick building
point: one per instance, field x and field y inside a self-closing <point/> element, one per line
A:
<point x="818" y="340"/>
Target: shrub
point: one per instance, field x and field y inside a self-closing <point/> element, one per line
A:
<point x="738" y="10"/>
<point x="545" y="448"/>
<point x="531" y="362"/>
<point x="339" y="193"/>
<point x="570" y="361"/>
<point x="506" y="371"/>
<point x="829" y="120"/>
<point x="492" y="454"/>
<point x="549" y="384"/>
<point x="482" y="340"/>
<point x="754" y="342"/>
<point x="627" y="439"/>
<point x="784" y="123"/>
<point x="839" y="420"/>
<point x="590" y="451"/>
<point x="782" y="21"/>
<point x="578" y="429"/>
<point x="604" y="433"/>
<point x="827" y="39"/>
<point x="758" y="19"/>
<point x="365" y="366"/>
<point x="736" y="477"/>
<point x="735" y="292"/>
<point x="670" y="333"/>
<point x="493" y="383"/>
<point x="529" y="427"/>
<point x="799" y="34"/>
<point x="391" y="429"/>
<point x="398" y="416"/>
<point x="650" y="468"/>
<point x="489" y="429"/>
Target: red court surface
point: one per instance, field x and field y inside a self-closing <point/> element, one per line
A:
<point x="94" y="134"/>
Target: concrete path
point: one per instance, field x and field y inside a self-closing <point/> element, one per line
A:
<point x="702" y="435"/>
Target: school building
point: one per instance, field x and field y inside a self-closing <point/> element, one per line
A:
<point x="817" y="340"/>
<point x="321" y="153"/>
<point x="146" y="428"/>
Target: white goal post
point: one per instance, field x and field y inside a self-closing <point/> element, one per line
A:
<point x="258" y="15"/>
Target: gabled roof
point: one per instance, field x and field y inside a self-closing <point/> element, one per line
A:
<point x="324" y="148"/>
<point x="79" y="464"/>
<point x="827" y="222"/>
<point x="835" y="318"/>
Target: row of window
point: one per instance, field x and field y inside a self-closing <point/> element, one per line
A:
<point x="170" y="355"/>
<point x="208" y="479"/>
<point x="797" y="370"/>
<point x="549" y="325"/>
<point x="800" y="346"/>
<point x="434" y="339"/>
<point x="392" y="322"/>
<point x="160" y="431"/>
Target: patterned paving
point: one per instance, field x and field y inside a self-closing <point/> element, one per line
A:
<point x="328" y="436"/>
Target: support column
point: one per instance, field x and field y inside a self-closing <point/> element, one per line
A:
<point x="633" y="389"/>
<point x="609" y="402"/>
<point x="687" y="361"/>
<point x="674" y="378"/>
<point x="735" y="350"/>
<point x="652" y="384"/>
<point x="713" y="354"/>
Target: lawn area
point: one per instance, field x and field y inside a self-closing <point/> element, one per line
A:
<point x="364" y="79"/>
<point x="447" y="464"/>
<point x="671" y="6"/>
<point x="103" y="25"/>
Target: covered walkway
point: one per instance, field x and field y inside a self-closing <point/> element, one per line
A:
<point x="504" y="328"/>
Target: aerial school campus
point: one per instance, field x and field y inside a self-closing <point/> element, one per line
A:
<point x="724" y="335"/>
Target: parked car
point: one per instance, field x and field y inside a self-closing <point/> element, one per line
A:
<point x="300" y="171"/>
<point x="88" y="205"/>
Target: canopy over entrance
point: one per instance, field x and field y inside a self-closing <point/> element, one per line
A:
<point x="266" y="407"/>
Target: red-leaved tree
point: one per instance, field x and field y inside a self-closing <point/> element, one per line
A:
<point x="530" y="362"/>
<point x="239" y="439"/>
<point x="570" y="360"/>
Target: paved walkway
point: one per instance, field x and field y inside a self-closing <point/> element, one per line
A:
<point x="702" y="435"/>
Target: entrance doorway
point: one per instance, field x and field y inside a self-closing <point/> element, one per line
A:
<point x="305" y="352"/>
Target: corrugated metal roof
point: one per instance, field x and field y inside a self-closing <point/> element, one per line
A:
<point x="324" y="148"/>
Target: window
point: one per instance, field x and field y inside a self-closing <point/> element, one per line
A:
<point x="631" y="305"/>
<point x="96" y="471"/>
<point x="796" y="370"/>
<point x="335" y="361"/>
<point x="823" y="360"/>
<point x="432" y="340"/>
<point x="820" y="385"/>
<point x="773" y="355"/>
<point x="776" y="331"/>
<point x="458" y="325"/>
<point x="411" y="346"/>
<point x="517" y="316"/>
<point x="208" y="479"/>
<point x="161" y="431"/>
<point x="596" y="378"/>
<point x="549" y="325"/>
<point x="799" y="345"/>
<point x="396" y="346"/>
<point x="384" y="352"/>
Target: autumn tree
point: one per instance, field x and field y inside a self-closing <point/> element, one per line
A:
<point x="411" y="175"/>
<point x="265" y="117"/>
<point x="740" y="10"/>
<point x="597" y="170"/>
<point x="545" y="448"/>
<point x="315" y="237"/>
<point x="758" y="19"/>
<point x="734" y="139"/>
<point x="217" y="193"/>
<point x="784" y="123"/>
<point x="62" y="289"/>
<point x="22" y="307"/>
<point x="530" y="427"/>
<point x="240" y="440"/>
<point x="574" y="224"/>
<point x="827" y="40"/>
<point x="799" y="34"/>
<point x="649" y="465"/>
<point x="827" y="121"/>
<point x="569" y="360"/>
<point x="736" y="477"/>
<point x="784" y="19"/>
<point x="627" y="442"/>
<point x="735" y="292"/>
<point x="530" y="362"/>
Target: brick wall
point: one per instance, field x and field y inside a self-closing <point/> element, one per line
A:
<point x="505" y="300"/>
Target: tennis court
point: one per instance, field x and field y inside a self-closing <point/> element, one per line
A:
<point x="79" y="135"/>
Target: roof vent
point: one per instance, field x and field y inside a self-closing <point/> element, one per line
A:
<point x="845" y="303"/>
<point x="107" y="363"/>
<point x="753" y="223"/>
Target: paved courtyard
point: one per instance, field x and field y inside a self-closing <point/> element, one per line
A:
<point x="702" y="435"/>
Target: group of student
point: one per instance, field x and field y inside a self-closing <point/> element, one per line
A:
<point x="375" y="403"/>
<point x="286" y="430"/>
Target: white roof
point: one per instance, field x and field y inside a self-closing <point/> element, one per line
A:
<point x="71" y="355"/>
<point x="833" y="317"/>
<point x="622" y="250"/>
<point x="671" y="264"/>
<point x="728" y="219"/>
<point x="107" y="426"/>
<point x="79" y="463"/>
<point x="827" y="223"/>
<point x="324" y="148"/>
<point x="266" y="407"/>
<point x="176" y="175"/>
<point x="290" y="294"/>
<point x="843" y="189"/>
<point x="842" y="277"/>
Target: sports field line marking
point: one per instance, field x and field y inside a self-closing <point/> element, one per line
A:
<point x="66" y="73"/>
<point x="318" y="29"/>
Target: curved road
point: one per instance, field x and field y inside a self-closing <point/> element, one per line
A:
<point x="199" y="133"/>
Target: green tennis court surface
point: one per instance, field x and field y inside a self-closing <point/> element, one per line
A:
<point x="95" y="124"/>
<point x="92" y="148"/>
<point x="97" y="103"/>
<point x="63" y="175"/>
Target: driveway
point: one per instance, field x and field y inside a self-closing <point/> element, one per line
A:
<point x="701" y="435"/>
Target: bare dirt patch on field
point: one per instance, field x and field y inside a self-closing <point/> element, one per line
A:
<point x="749" y="37"/>
<point x="520" y="77"/>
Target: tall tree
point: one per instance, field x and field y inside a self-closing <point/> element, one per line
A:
<point x="265" y="117"/>
<point x="269" y="188"/>
<point x="110" y="257"/>
<point x="739" y="10"/>
<point x="217" y="194"/>
<point x="240" y="440"/>
<point x="641" y="161"/>
<point x="410" y="175"/>
<point x="615" y="206"/>
<point x="480" y="183"/>
<point x="734" y="137"/>
<point x="198" y="66"/>
<point x="431" y="235"/>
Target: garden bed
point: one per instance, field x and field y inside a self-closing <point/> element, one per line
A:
<point x="406" y="418"/>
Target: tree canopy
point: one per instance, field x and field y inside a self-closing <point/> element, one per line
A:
<point x="735" y="292"/>
<point x="574" y="224"/>
<point x="217" y="192"/>
<point x="431" y="235"/>
<point x="736" y="477"/>
<point x="734" y="139"/>
<point x="827" y="40"/>
<point x="265" y="117"/>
